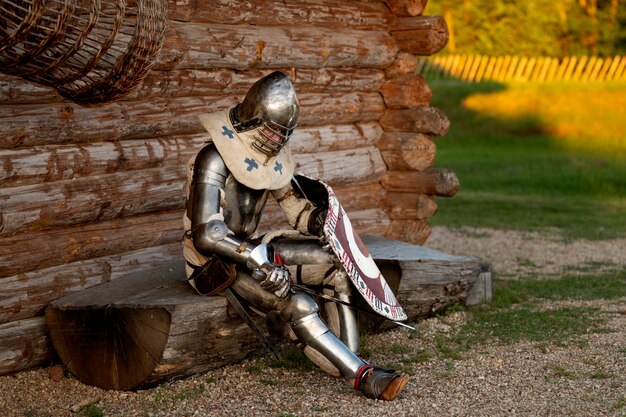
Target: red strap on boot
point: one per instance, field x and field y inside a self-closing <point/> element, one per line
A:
<point x="360" y="374"/>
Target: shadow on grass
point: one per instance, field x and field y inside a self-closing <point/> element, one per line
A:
<point x="515" y="175"/>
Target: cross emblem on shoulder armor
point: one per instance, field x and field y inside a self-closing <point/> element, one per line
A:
<point x="251" y="164"/>
<point x="227" y="132"/>
<point x="278" y="167"/>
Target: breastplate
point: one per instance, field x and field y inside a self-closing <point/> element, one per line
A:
<point x="242" y="207"/>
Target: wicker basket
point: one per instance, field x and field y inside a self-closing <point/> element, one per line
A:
<point x="91" y="51"/>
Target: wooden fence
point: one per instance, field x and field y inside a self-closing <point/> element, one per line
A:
<point x="476" y="68"/>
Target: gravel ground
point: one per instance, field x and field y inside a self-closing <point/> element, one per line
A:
<point x="529" y="379"/>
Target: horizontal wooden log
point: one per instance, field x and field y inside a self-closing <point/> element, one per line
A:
<point x="411" y="231"/>
<point x="405" y="64"/>
<point x="37" y="250"/>
<point x="431" y="280"/>
<point x="422" y="119"/>
<point x="325" y="109"/>
<point x="406" y="7"/>
<point x="434" y="181"/>
<point x="26" y="294"/>
<point x="90" y="199"/>
<point x="406" y="92"/>
<point x="324" y="13"/>
<point x="45" y="124"/>
<point x="241" y="47"/>
<point x="214" y="81"/>
<point x="124" y="194"/>
<point x="409" y="206"/>
<point x="423" y="35"/>
<point x="335" y="137"/>
<point x="39" y="164"/>
<point x="407" y="151"/>
<point x="340" y="168"/>
<point x="206" y="82"/>
<point x="24" y="344"/>
<point x="49" y="124"/>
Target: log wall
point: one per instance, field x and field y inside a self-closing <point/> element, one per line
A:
<point x="90" y="194"/>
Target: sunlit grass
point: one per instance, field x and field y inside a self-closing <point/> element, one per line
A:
<point x="585" y="117"/>
<point x="535" y="156"/>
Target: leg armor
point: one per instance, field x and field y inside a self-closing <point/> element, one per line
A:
<point x="341" y="319"/>
<point x="302" y="312"/>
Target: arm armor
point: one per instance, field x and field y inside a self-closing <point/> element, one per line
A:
<point x="209" y="232"/>
<point x="301" y="213"/>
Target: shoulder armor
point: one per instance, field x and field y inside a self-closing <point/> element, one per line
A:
<point x="209" y="167"/>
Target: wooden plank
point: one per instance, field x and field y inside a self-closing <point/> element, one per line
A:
<point x="474" y="68"/>
<point x="55" y="124"/>
<point x="343" y="167"/>
<point x="511" y="71"/>
<point x="335" y="137"/>
<point x="569" y="70"/>
<point x="206" y="82"/>
<point x="605" y="68"/>
<point x="546" y="63"/>
<point x="501" y="68"/>
<point x="422" y="119"/>
<point x="491" y="67"/>
<point x="519" y="71"/>
<point x="554" y="67"/>
<point x="614" y="65"/>
<point x="24" y="344"/>
<point x="406" y="92"/>
<point x="434" y="181"/>
<point x="407" y="151"/>
<point x="242" y="47"/>
<point x="593" y="75"/>
<point x="91" y="199"/>
<point x="585" y="74"/>
<point x="26" y="294"/>
<point x="39" y="164"/>
<point x="42" y="249"/>
<point x="482" y="69"/>
<point x="620" y="72"/>
<point x="421" y="35"/>
<point x="355" y="14"/>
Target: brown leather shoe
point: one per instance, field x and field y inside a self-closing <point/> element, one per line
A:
<point x="380" y="383"/>
<point x="394" y="388"/>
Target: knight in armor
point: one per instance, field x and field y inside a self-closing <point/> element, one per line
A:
<point x="228" y="184"/>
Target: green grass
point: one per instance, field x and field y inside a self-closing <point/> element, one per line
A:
<point x="518" y="312"/>
<point x="533" y="157"/>
<point x="608" y="286"/>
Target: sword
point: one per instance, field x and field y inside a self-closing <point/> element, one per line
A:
<point x="345" y="303"/>
<point x="234" y="301"/>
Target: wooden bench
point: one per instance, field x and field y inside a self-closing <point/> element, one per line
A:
<point x="152" y="326"/>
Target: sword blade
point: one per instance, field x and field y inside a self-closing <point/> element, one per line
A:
<point x="234" y="301"/>
<point x="337" y="300"/>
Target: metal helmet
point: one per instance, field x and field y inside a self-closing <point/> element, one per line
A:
<point x="271" y="105"/>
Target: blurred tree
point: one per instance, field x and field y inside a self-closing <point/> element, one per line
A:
<point x="534" y="27"/>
